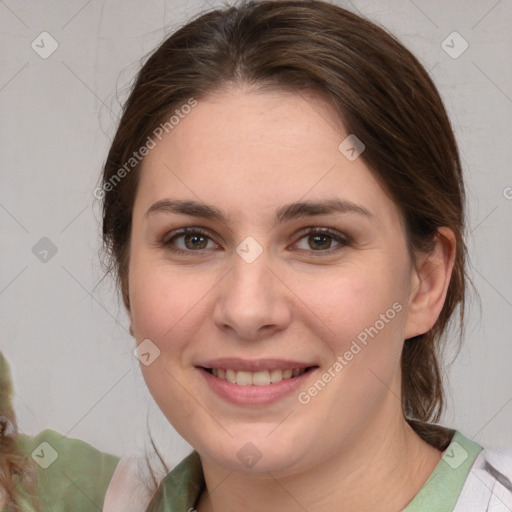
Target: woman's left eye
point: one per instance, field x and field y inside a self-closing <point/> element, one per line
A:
<point x="321" y="240"/>
<point x="189" y="240"/>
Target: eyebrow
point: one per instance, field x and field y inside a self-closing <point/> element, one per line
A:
<point x="285" y="213"/>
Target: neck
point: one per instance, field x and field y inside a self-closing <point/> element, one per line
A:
<point x="381" y="470"/>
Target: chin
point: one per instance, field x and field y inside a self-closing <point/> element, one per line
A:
<point x="254" y="450"/>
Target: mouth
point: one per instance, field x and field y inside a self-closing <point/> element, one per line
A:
<point x="253" y="382"/>
<point x="263" y="377"/>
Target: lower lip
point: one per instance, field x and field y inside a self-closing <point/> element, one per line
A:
<point x="254" y="395"/>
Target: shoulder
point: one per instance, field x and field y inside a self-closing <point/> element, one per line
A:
<point x="488" y="485"/>
<point x="128" y="490"/>
<point x="181" y="488"/>
<point x="138" y="485"/>
<point x="70" y="473"/>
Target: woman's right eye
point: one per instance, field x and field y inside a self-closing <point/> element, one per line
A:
<point x="188" y="240"/>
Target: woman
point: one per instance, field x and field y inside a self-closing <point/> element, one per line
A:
<point x="284" y="211"/>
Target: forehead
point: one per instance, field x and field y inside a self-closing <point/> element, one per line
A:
<point x="251" y="151"/>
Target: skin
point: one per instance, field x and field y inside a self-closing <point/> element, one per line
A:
<point x="249" y="153"/>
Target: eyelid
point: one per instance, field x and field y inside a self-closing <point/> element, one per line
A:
<point x="168" y="237"/>
<point x="323" y="230"/>
<point x="183" y="231"/>
<point x="342" y="239"/>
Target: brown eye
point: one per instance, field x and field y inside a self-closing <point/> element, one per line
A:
<point x="188" y="240"/>
<point x="195" y="241"/>
<point x="322" y="240"/>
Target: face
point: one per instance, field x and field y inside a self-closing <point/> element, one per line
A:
<point x="293" y="280"/>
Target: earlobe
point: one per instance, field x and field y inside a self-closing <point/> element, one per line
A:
<point x="430" y="280"/>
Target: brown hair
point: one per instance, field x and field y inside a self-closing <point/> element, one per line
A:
<point x="380" y="91"/>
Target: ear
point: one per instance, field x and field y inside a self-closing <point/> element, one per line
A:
<point x="430" y="278"/>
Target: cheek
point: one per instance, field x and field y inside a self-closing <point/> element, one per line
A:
<point x="163" y="299"/>
<point x="165" y="308"/>
<point x="348" y="303"/>
<point x="360" y="318"/>
<point x="363" y="318"/>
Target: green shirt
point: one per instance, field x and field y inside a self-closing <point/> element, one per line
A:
<point x="180" y="490"/>
<point x="72" y="476"/>
<point x="442" y="489"/>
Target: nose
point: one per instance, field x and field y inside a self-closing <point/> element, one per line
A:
<point x="253" y="302"/>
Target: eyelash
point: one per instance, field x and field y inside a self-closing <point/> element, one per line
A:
<point x="342" y="240"/>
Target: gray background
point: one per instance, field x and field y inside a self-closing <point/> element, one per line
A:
<point x="66" y="336"/>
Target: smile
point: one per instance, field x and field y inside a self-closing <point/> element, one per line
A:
<point x="255" y="383"/>
<point x="259" y="378"/>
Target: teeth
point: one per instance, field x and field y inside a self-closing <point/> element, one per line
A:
<point x="244" y="378"/>
<point x="276" y="375"/>
<point x="260" y="378"/>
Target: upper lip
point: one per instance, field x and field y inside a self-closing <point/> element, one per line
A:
<point x="253" y="365"/>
